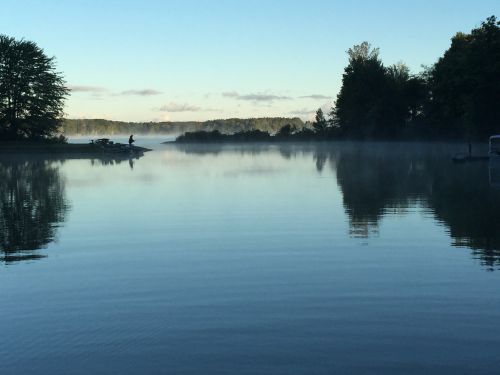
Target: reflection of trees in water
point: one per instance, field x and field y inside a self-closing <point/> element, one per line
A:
<point x="470" y="208"/>
<point x="32" y="205"/>
<point x="381" y="178"/>
<point x="375" y="181"/>
<point x="107" y="160"/>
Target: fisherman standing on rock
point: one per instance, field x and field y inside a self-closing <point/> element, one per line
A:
<point x="131" y="140"/>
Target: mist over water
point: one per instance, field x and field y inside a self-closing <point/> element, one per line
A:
<point x="292" y="258"/>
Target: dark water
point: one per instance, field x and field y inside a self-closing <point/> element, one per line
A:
<point x="338" y="258"/>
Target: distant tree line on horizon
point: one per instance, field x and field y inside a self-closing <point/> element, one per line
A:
<point x="227" y="126"/>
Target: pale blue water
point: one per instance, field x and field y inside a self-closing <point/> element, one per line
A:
<point x="247" y="259"/>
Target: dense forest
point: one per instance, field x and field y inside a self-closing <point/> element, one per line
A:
<point x="456" y="98"/>
<point x="228" y="126"/>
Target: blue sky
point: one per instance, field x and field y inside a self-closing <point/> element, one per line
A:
<point x="195" y="60"/>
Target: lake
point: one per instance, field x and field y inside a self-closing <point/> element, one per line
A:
<point x="337" y="258"/>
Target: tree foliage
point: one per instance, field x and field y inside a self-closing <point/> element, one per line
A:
<point x="32" y="92"/>
<point x="227" y="126"/>
<point x="320" y="123"/>
<point x="457" y="97"/>
<point x="375" y="101"/>
<point x="465" y="83"/>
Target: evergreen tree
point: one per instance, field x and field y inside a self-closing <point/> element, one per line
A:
<point x="358" y="106"/>
<point x="320" y="122"/>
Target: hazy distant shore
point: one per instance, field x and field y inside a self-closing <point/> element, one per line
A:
<point x="96" y="127"/>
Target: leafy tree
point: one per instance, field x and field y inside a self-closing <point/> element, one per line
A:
<point x="375" y="101"/>
<point x="358" y="107"/>
<point x="286" y="131"/>
<point x="32" y="92"/>
<point x="320" y="122"/>
<point x="465" y="84"/>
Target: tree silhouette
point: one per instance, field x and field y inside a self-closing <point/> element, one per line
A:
<point x="465" y="84"/>
<point x="320" y="122"/>
<point x="32" y="92"/>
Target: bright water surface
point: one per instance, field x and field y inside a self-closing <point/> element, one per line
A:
<point x="278" y="259"/>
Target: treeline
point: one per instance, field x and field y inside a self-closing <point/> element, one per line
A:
<point x="288" y="132"/>
<point x="226" y="126"/>
<point x="457" y="97"/>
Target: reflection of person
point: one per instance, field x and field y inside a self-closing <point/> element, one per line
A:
<point x="131" y="140"/>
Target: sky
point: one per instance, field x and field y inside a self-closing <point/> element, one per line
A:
<point x="189" y="60"/>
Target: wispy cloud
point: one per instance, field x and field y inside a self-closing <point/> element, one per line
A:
<point x="257" y="97"/>
<point x="89" y="89"/>
<point x="179" y="107"/>
<point x="263" y="97"/>
<point x="315" y="96"/>
<point x="230" y="94"/>
<point x="309" y="114"/>
<point x="99" y="90"/>
<point x="143" y="92"/>
<point x="302" y="112"/>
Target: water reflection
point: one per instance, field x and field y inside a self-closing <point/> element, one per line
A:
<point x="114" y="160"/>
<point x="386" y="178"/>
<point x="375" y="180"/>
<point x="32" y="206"/>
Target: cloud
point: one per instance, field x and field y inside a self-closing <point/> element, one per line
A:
<point x="90" y="89"/>
<point x="259" y="97"/>
<point x="302" y="112"/>
<point x="230" y="94"/>
<point x="262" y="97"/>
<point x="185" y="107"/>
<point x="163" y="117"/>
<point x="144" y="92"/>
<point x="99" y="90"/>
<point x="315" y="96"/>
<point x="179" y="107"/>
<point x="309" y="114"/>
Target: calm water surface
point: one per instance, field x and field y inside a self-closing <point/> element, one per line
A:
<point x="293" y="259"/>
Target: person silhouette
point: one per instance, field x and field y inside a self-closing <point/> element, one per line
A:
<point x="131" y="140"/>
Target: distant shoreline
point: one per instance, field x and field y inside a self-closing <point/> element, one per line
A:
<point x="302" y="136"/>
